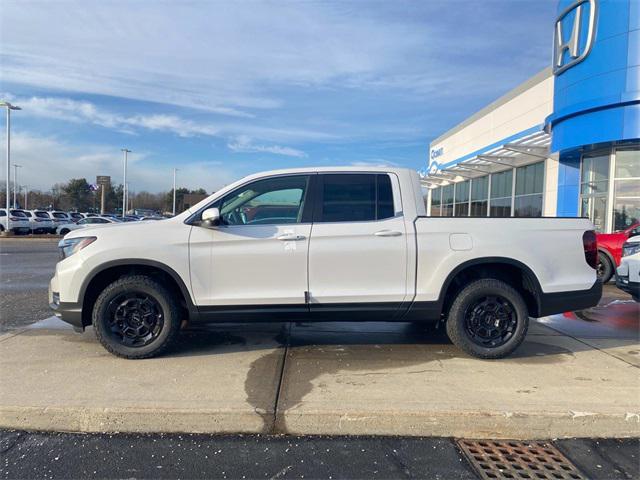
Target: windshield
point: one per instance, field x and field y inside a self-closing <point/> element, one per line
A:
<point x="59" y="215"/>
<point x="18" y="213"/>
<point x="42" y="214"/>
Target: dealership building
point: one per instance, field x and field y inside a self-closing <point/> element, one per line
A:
<point x="564" y="143"/>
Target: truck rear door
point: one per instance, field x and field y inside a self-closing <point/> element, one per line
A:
<point x="358" y="247"/>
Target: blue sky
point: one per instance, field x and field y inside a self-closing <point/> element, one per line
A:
<point x="223" y="89"/>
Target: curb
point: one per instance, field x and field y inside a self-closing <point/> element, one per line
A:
<point x="515" y="426"/>
<point x="463" y="424"/>
<point x="130" y="420"/>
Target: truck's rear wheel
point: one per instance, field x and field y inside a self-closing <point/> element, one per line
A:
<point x="488" y="319"/>
<point x="136" y="317"/>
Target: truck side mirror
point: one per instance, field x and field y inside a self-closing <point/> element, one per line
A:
<point x="210" y="218"/>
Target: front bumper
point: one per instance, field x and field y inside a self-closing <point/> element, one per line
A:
<point x="560" y="302"/>
<point x="67" y="311"/>
<point x="632" y="288"/>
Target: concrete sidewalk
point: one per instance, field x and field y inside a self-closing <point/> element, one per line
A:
<point x="334" y="378"/>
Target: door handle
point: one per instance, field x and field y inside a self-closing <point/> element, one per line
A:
<point x="388" y="233"/>
<point x="290" y="236"/>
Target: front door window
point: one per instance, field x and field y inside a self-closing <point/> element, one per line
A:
<point x="272" y="201"/>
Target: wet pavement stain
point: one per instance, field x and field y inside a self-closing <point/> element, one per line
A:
<point x="262" y="372"/>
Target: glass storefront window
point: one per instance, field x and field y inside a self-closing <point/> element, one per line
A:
<point x="626" y="200"/>
<point x="594" y="185"/>
<point x="447" y="200"/>
<point x="479" y="195"/>
<point x="501" y="185"/>
<point x="529" y="186"/>
<point x="461" y="205"/>
<point x="436" y="201"/>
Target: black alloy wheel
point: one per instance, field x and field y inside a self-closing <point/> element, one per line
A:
<point x="491" y="321"/>
<point x="135" y="319"/>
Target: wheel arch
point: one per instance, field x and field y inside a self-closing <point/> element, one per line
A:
<point x="516" y="273"/>
<point x="110" y="271"/>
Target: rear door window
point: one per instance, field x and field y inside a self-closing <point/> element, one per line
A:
<point x="355" y="198"/>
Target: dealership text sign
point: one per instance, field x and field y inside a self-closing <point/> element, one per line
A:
<point x="574" y="34"/>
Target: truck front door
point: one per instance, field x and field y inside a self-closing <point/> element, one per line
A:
<point x="255" y="261"/>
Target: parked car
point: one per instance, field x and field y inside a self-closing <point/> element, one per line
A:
<point x="59" y="218"/>
<point x="38" y="224"/>
<point x="85" y="222"/>
<point x="628" y="273"/>
<point x="610" y="250"/>
<point x="75" y="216"/>
<point x="46" y="219"/>
<point x="324" y="244"/>
<point x="18" y="221"/>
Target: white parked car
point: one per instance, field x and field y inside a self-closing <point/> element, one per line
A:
<point x="85" y="222"/>
<point x="628" y="273"/>
<point x="39" y="222"/>
<point x="43" y="215"/>
<point x="59" y="217"/>
<point x="18" y="221"/>
<point x="324" y="244"/>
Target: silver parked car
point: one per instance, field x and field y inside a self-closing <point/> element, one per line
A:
<point x="85" y="222"/>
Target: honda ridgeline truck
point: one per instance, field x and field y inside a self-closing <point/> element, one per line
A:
<point x="323" y="244"/>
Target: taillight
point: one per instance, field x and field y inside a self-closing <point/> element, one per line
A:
<point x="590" y="245"/>
<point x="15" y="219"/>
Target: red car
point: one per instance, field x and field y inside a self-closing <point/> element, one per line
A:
<point x="610" y="250"/>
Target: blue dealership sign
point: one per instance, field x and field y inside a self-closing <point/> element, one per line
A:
<point x="597" y="66"/>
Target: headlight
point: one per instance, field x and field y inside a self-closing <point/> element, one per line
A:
<point x="70" y="246"/>
<point x="630" y="248"/>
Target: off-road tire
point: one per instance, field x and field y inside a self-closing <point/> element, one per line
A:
<point x="473" y="292"/>
<point x="605" y="272"/>
<point x="148" y="286"/>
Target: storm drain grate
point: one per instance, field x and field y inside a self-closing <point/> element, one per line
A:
<point x="516" y="460"/>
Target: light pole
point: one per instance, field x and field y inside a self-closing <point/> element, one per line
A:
<point x="9" y="107"/>
<point x="15" y="183"/>
<point x="124" y="182"/>
<point x="26" y="190"/>
<point x="174" y="191"/>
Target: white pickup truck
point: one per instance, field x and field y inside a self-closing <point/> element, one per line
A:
<point x="323" y="244"/>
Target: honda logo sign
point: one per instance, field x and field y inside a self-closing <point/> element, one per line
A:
<point x="574" y="34"/>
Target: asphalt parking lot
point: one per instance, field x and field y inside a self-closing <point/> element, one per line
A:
<point x="576" y="375"/>
<point x="26" y="266"/>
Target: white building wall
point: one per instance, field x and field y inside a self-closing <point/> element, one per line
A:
<point x="524" y="107"/>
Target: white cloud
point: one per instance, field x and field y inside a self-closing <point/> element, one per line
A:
<point x="233" y="57"/>
<point x="244" y="144"/>
<point x="48" y="160"/>
<point x="75" y="111"/>
<point x="66" y="109"/>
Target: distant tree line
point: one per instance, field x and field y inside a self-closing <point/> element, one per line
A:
<point x="77" y="195"/>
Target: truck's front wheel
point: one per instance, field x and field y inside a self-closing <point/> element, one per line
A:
<point x="488" y="319"/>
<point x="136" y="317"/>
